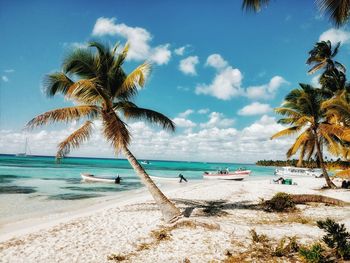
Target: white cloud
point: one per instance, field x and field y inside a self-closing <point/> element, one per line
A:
<point x="226" y="84"/>
<point x="335" y="35"/>
<point x="203" y="111"/>
<point x="315" y="81"/>
<point x="75" y="45"/>
<point x="181" y="50"/>
<point x="138" y="38"/>
<point x="186" y="113"/>
<point x="223" y="144"/>
<point x="266" y="91"/>
<point x="188" y="65"/>
<point x="216" y="61"/>
<point x="217" y="119"/>
<point x="4" y="78"/>
<point x="184" y="123"/>
<point x="9" y="70"/>
<point x="255" y="108"/>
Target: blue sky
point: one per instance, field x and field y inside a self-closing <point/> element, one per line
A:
<point x="217" y="71"/>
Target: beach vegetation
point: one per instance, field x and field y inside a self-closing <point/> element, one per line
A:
<point x="280" y="202"/>
<point x="95" y="81"/>
<point x="337" y="10"/>
<point x="314" y="254"/>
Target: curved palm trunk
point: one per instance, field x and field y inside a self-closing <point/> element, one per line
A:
<point x="169" y="211"/>
<point x="320" y="158"/>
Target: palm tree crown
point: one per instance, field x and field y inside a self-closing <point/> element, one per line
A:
<point x="304" y="112"/>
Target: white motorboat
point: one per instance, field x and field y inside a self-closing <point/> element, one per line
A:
<point x="164" y="179"/>
<point x="297" y="171"/>
<point x="145" y="162"/>
<point x="237" y="175"/>
<point x="91" y="178"/>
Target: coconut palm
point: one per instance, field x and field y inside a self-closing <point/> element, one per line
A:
<point x="302" y="110"/>
<point x="102" y="90"/>
<point x="333" y="79"/>
<point x="337" y="10"/>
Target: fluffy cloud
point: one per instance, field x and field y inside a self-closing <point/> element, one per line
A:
<point x="217" y="119"/>
<point x="4" y="78"/>
<point x="188" y="65"/>
<point x="255" y="108"/>
<point x="335" y="35"/>
<point x="210" y="143"/>
<point x="186" y="113"/>
<point x="266" y="91"/>
<point x="181" y="50"/>
<point x="138" y="38"/>
<point x="203" y="111"/>
<point x="315" y="81"/>
<point x="184" y="123"/>
<point x="216" y="61"/>
<point x="226" y="84"/>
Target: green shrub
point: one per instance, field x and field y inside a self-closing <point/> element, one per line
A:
<point x="337" y="237"/>
<point x="313" y="254"/>
<point x="280" y="202"/>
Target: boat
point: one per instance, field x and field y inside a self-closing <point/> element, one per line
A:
<point x="26" y="149"/>
<point x="297" y="171"/>
<point x="225" y="174"/>
<point x="91" y="178"/>
<point x="168" y="179"/>
<point x="145" y="162"/>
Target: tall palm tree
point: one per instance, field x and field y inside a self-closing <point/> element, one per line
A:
<point x="302" y="110"/>
<point x="337" y="10"/>
<point x="100" y="88"/>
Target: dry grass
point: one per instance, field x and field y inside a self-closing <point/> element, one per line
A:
<point x="286" y="218"/>
<point x="117" y="257"/>
<point x="264" y="249"/>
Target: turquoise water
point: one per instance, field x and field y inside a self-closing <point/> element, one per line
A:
<point x="32" y="183"/>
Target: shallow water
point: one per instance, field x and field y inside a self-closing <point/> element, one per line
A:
<point x="29" y="185"/>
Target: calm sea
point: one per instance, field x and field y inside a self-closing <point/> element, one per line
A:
<point x="32" y="184"/>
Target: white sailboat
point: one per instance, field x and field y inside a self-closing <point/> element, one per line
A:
<point x="26" y="150"/>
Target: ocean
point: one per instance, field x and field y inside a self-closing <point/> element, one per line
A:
<point x="34" y="185"/>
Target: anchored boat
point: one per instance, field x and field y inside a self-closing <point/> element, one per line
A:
<point x="225" y="174"/>
<point x="91" y="178"/>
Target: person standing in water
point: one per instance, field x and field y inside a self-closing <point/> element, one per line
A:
<point x="182" y="178"/>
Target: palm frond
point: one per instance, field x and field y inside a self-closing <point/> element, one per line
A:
<point x="81" y="62"/>
<point x="74" y="140"/>
<point x="131" y="111"/>
<point x="85" y="91"/>
<point x="56" y="82"/>
<point x="135" y="79"/>
<point x="286" y="132"/>
<point x="64" y="115"/>
<point x="115" y="130"/>
<point x="254" y="5"/>
<point x="288" y="112"/>
<point x="299" y="142"/>
<point x="338" y="10"/>
<point x="317" y="67"/>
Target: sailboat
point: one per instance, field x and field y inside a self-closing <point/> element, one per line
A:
<point x="26" y="148"/>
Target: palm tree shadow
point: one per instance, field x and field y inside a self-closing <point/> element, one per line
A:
<point x="211" y="208"/>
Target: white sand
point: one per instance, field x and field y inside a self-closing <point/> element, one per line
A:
<point x="121" y="225"/>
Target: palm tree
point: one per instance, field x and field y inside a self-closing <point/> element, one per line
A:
<point x="302" y="110"/>
<point x="333" y="79"/>
<point x="100" y="88"/>
<point x="337" y="10"/>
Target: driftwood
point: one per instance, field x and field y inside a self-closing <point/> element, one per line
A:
<point x="308" y="198"/>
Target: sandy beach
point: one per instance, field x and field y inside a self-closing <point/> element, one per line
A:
<point x="127" y="229"/>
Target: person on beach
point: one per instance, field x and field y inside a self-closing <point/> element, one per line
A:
<point x="279" y="180"/>
<point x="182" y="178"/>
<point x="117" y="180"/>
